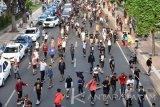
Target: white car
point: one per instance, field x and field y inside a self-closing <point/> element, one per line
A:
<point x="51" y="21"/>
<point x="33" y="32"/>
<point x="13" y="51"/>
<point x="68" y="7"/>
<point x="5" y="70"/>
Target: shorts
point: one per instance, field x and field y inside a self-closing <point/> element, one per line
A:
<point x="106" y="91"/>
<point x="34" y="66"/>
<point x="52" y="56"/>
<point x="62" y="72"/>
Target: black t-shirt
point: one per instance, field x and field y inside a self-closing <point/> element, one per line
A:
<point x="38" y="86"/>
<point x="136" y="73"/>
<point x="106" y="84"/>
<point x="69" y="82"/>
<point x="113" y="80"/>
<point x="141" y="93"/>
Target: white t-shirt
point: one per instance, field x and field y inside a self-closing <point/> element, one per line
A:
<point x="42" y="66"/>
<point x="36" y="54"/>
<point x="131" y="82"/>
<point x="36" y="45"/>
<point x="109" y="43"/>
<point x="64" y="44"/>
<point x="46" y="36"/>
<point x="84" y="45"/>
<point x="96" y="70"/>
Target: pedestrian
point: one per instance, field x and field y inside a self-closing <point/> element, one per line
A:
<point x="52" y="42"/>
<point x="84" y="48"/>
<point x="45" y="49"/>
<point x="16" y="69"/>
<point x="104" y="3"/>
<point x="68" y="85"/>
<point x="91" y="60"/>
<point x="27" y="15"/>
<point x="96" y="72"/>
<point x="91" y="21"/>
<point x="37" y="45"/>
<point x="130" y="28"/>
<point x="141" y="96"/>
<point x="27" y="102"/>
<point x="43" y="33"/>
<point x="131" y="62"/>
<point x="106" y="88"/>
<point x="34" y="62"/>
<point x="58" y="98"/>
<point x="72" y="53"/>
<point x="131" y="83"/>
<point x="19" y="90"/>
<point x="122" y="80"/>
<point x="29" y="51"/>
<point x="81" y="85"/>
<point x="114" y="80"/>
<point x="52" y="52"/>
<point x="128" y="96"/>
<point x="136" y="75"/>
<point x="38" y="88"/>
<point x="112" y="64"/>
<point x="43" y="66"/>
<point x="115" y="36"/>
<point x="50" y="76"/>
<point x="64" y="45"/>
<point x="46" y="37"/>
<point x="92" y="84"/>
<point x="102" y="59"/>
<point x="109" y="45"/>
<point x="153" y="104"/>
<point x="149" y="64"/>
<point x="62" y="67"/>
<point x="102" y="48"/>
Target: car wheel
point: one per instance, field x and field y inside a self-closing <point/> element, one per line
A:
<point x="3" y="83"/>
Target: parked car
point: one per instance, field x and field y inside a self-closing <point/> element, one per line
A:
<point x="5" y="71"/>
<point x="51" y="21"/>
<point x="42" y="18"/>
<point x="13" y="51"/>
<point x="33" y="32"/>
<point x="25" y="40"/>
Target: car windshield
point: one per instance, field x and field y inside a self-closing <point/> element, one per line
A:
<point x="42" y="17"/>
<point x="65" y="13"/>
<point x="67" y="6"/>
<point x="49" y="19"/>
<point x="11" y="50"/>
<point x="20" y="40"/>
<point x="30" y="31"/>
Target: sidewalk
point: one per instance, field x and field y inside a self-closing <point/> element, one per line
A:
<point x="7" y="36"/>
<point x="143" y="52"/>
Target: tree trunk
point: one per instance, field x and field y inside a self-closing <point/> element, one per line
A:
<point x="14" y="26"/>
<point x="24" y="18"/>
<point x="153" y="44"/>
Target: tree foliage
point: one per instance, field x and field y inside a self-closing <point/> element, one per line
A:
<point x="28" y="4"/>
<point x="146" y="13"/>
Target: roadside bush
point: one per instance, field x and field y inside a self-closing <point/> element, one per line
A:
<point x="5" y="20"/>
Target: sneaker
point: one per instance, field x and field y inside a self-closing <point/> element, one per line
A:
<point x="38" y="102"/>
<point x="92" y="102"/>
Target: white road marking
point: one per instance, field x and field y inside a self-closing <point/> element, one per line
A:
<point x="9" y="98"/>
<point x="76" y="44"/>
<point x="75" y="63"/>
<point x="29" y="66"/>
<point x="133" y="71"/>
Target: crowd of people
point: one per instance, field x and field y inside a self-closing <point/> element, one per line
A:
<point x="91" y="13"/>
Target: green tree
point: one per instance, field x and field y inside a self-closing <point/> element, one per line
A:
<point x="28" y="4"/>
<point x="146" y="13"/>
<point x="22" y="6"/>
<point x="12" y="8"/>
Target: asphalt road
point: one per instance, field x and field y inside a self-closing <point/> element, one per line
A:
<point x="8" y="96"/>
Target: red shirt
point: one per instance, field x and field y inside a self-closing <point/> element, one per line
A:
<point x="58" y="98"/>
<point x="122" y="79"/>
<point x="19" y="86"/>
<point x="45" y="48"/>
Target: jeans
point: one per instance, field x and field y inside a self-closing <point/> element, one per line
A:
<point x="149" y="69"/>
<point x="80" y="89"/>
<point x="123" y="88"/>
<point x="72" y="56"/>
<point x="57" y="105"/>
<point x="38" y="95"/>
<point x="97" y="77"/>
<point x="128" y="102"/>
<point x="91" y="66"/>
<point x="92" y="95"/>
<point x="109" y="49"/>
<point x="84" y="51"/>
<point x="45" y="54"/>
<point x="102" y="64"/>
<point x="16" y="75"/>
<point x="42" y="75"/>
<point x="137" y="83"/>
<point x="140" y="102"/>
<point x="113" y="89"/>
